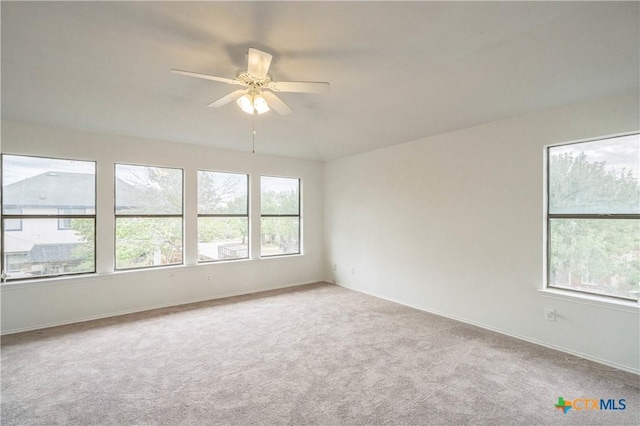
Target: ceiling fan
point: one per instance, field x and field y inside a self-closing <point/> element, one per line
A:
<point x="259" y="94"/>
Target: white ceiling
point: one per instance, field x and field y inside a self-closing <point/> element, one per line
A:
<point x="399" y="71"/>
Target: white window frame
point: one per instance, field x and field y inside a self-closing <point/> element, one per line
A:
<point x="299" y="216"/>
<point x="547" y="287"/>
<point x="146" y="216"/>
<point x="225" y="215"/>
<point x="60" y="217"/>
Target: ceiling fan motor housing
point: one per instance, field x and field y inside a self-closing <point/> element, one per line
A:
<point x="248" y="80"/>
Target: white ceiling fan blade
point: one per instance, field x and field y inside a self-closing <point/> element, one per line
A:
<point x="258" y="63"/>
<point x="276" y="103"/>
<point x="206" y="77"/>
<point x="300" y="86"/>
<point x="226" y="99"/>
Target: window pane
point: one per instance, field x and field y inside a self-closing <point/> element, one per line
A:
<point x="280" y="195"/>
<point x="280" y="235"/>
<point x="148" y="190"/>
<point x="41" y="249"/>
<point x="142" y="242"/>
<point x="596" y="255"/>
<point x="595" y="177"/>
<point x="222" y="238"/>
<point x="222" y="193"/>
<point x="13" y="224"/>
<point x="43" y="185"/>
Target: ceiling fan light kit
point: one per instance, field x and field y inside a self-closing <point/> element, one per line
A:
<point x="259" y="96"/>
<point x="260" y="104"/>
<point x="253" y="102"/>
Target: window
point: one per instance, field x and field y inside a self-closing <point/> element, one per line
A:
<point x="13" y="224"/>
<point x="37" y="195"/>
<point x="280" y="216"/>
<point x="148" y="213"/>
<point x="223" y="216"/>
<point x="593" y="217"/>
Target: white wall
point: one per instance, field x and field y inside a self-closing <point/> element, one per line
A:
<point x="41" y="303"/>
<point x="450" y="224"/>
<point x="453" y="224"/>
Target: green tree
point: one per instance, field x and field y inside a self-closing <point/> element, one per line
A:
<point x="84" y="253"/>
<point x="148" y="241"/>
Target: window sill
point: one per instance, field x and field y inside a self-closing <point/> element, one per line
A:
<point x="592" y="300"/>
<point x="280" y="256"/>
<point x="42" y="282"/>
<point x="71" y="279"/>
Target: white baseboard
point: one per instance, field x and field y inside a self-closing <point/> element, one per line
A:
<point x="148" y="308"/>
<point x="506" y="333"/>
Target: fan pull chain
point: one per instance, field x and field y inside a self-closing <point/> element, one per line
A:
<point x="253" y="133"/>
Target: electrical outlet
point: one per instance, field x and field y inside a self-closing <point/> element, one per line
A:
<point x="353" y="271"/>
<point x="334" y="267"/>
<point x="550" y="314"/>
<point x="208" y="278"/>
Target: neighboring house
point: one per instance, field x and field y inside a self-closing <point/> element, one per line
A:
<point x="41" y="243"/>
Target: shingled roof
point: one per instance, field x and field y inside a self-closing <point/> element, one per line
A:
<point x="61" y="190"/>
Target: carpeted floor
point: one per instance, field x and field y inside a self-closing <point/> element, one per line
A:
<point x="315" y="354"/>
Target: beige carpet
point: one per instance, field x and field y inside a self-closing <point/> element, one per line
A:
<point x="316" y="354"/>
